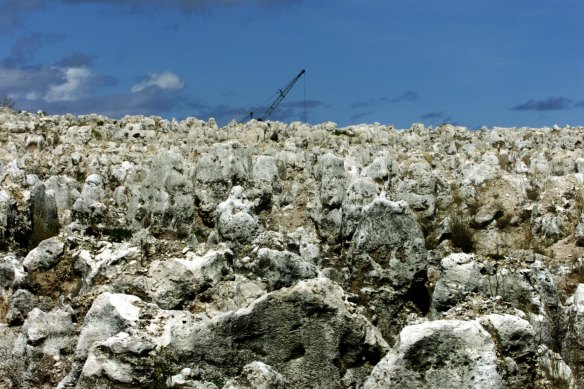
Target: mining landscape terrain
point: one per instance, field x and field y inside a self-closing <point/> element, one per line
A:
<point x="154" y="253"/>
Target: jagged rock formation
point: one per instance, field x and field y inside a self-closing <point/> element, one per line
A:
<point x="148" y="253"/>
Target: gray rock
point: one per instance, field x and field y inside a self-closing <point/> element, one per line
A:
<point x="390" y="239"/>
<point x="45" y="345"/>
<point x="234" y="218"/>
<point x="224" y="166"/>
<point x="460" y="277"/>
<point x="110" y="314"/>
<point x="439" y="354"/>
<point x="579" y="233"/>
<point x="93" y="189"/>
<point x="164" y="200"/>
<point x="332" y="176"/>
<point x="65" y="190"/>
<point x="278" y="268"/>
<point x="360" y="192"/>
<point x="7" y="211"/>
<point x="21" y="303"/>
<point x="515" y="341"/>
<point x="45" y="255"/>
<point x="388" y="264"/>
<point x="45" y="218"/>
<point x="571" y="343"/>
<point x="174" y="282"/>
<point x="301" y="332"/>
<point x="228" y="296"/>
<point x="553" y="371"/>
<point x="382" y="169"/>
<point x="261" y="376"/>
<point x="530" y="289"/>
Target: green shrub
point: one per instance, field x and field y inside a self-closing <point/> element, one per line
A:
<point x="462" y="235"/>
<point x="532" y="193"/>
<point x="504" y="221"/>
<point x="96" y="134"/>
<point x="119" y="235"/>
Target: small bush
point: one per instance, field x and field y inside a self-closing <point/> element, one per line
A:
<point x="80" y="176"/>
<point x="578" y="201"/>
<point x="532" y="193"/>
<point x="7" y="102"/>
<point x="119" y="235"/>
<point x="96" y="134"/>
<point x="504" y="221"/>
<point x="473" y="207"/>
<point x="462" y="235"/>
<point x="100" y="123"/>
<point x="496" y="256"/>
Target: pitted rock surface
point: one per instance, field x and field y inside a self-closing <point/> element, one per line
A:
<point x="144" y="253"/>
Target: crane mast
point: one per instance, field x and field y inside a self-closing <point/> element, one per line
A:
<point x="281" y="95"/>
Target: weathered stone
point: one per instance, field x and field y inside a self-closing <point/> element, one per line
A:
<point x="460" y="277"/>
<point x="234" y="218"/>
<point x="515" y="340"/>
<point x="45" y="255"/>
<point x="439" y="354"/>
<point x="278" y="268"/>
<point x="46" y="338"/>
<point x="45" y="218"/>
<point x="273" y="254"/>
<point x="164" y="200"/>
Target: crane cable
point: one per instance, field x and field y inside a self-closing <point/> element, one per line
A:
<point x="304" y="97"/>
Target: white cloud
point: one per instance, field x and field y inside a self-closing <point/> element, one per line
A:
<point x="164" y="81"/>
<point x="29" y="82"/>
<point x="74" y="87"/>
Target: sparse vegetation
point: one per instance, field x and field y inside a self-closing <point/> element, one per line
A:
<point x="462" y="235"/>
<point x="162" y="372"/>
<point x="7" y="102"/>
<point x="118" y="235"/>
<point x="96" y="134"/>
<point x="80" y="175"/>
<point x="504" y="221"/>
<point x="496" y="256"/>
<point x="339" y="132"/>
<point x="532" y="193"/>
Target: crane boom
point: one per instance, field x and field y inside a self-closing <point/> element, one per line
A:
<point x="282" y="93"/>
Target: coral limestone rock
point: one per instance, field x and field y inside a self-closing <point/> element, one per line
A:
<point x="143" y="252"/>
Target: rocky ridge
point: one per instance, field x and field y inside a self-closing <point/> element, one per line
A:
<point x="147" y="253"/>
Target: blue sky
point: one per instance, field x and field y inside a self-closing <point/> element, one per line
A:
<point x="471" y="62"/>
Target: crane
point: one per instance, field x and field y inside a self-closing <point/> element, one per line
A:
<point x="280" y="96"/>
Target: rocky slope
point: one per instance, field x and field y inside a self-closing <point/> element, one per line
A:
<point x="146" y="253"/>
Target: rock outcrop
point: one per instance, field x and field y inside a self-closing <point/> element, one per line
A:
<point x="147" y="253"/>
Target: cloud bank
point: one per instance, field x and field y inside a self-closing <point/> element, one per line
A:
<point x="549" y="104"/>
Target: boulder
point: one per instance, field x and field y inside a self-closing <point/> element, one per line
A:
<point x="439" y="354"/>
<point x="235" y="221"/>
<point x="460" y="276"/>
<point x="45" y="256"/>
<point x="45" y="346"/>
